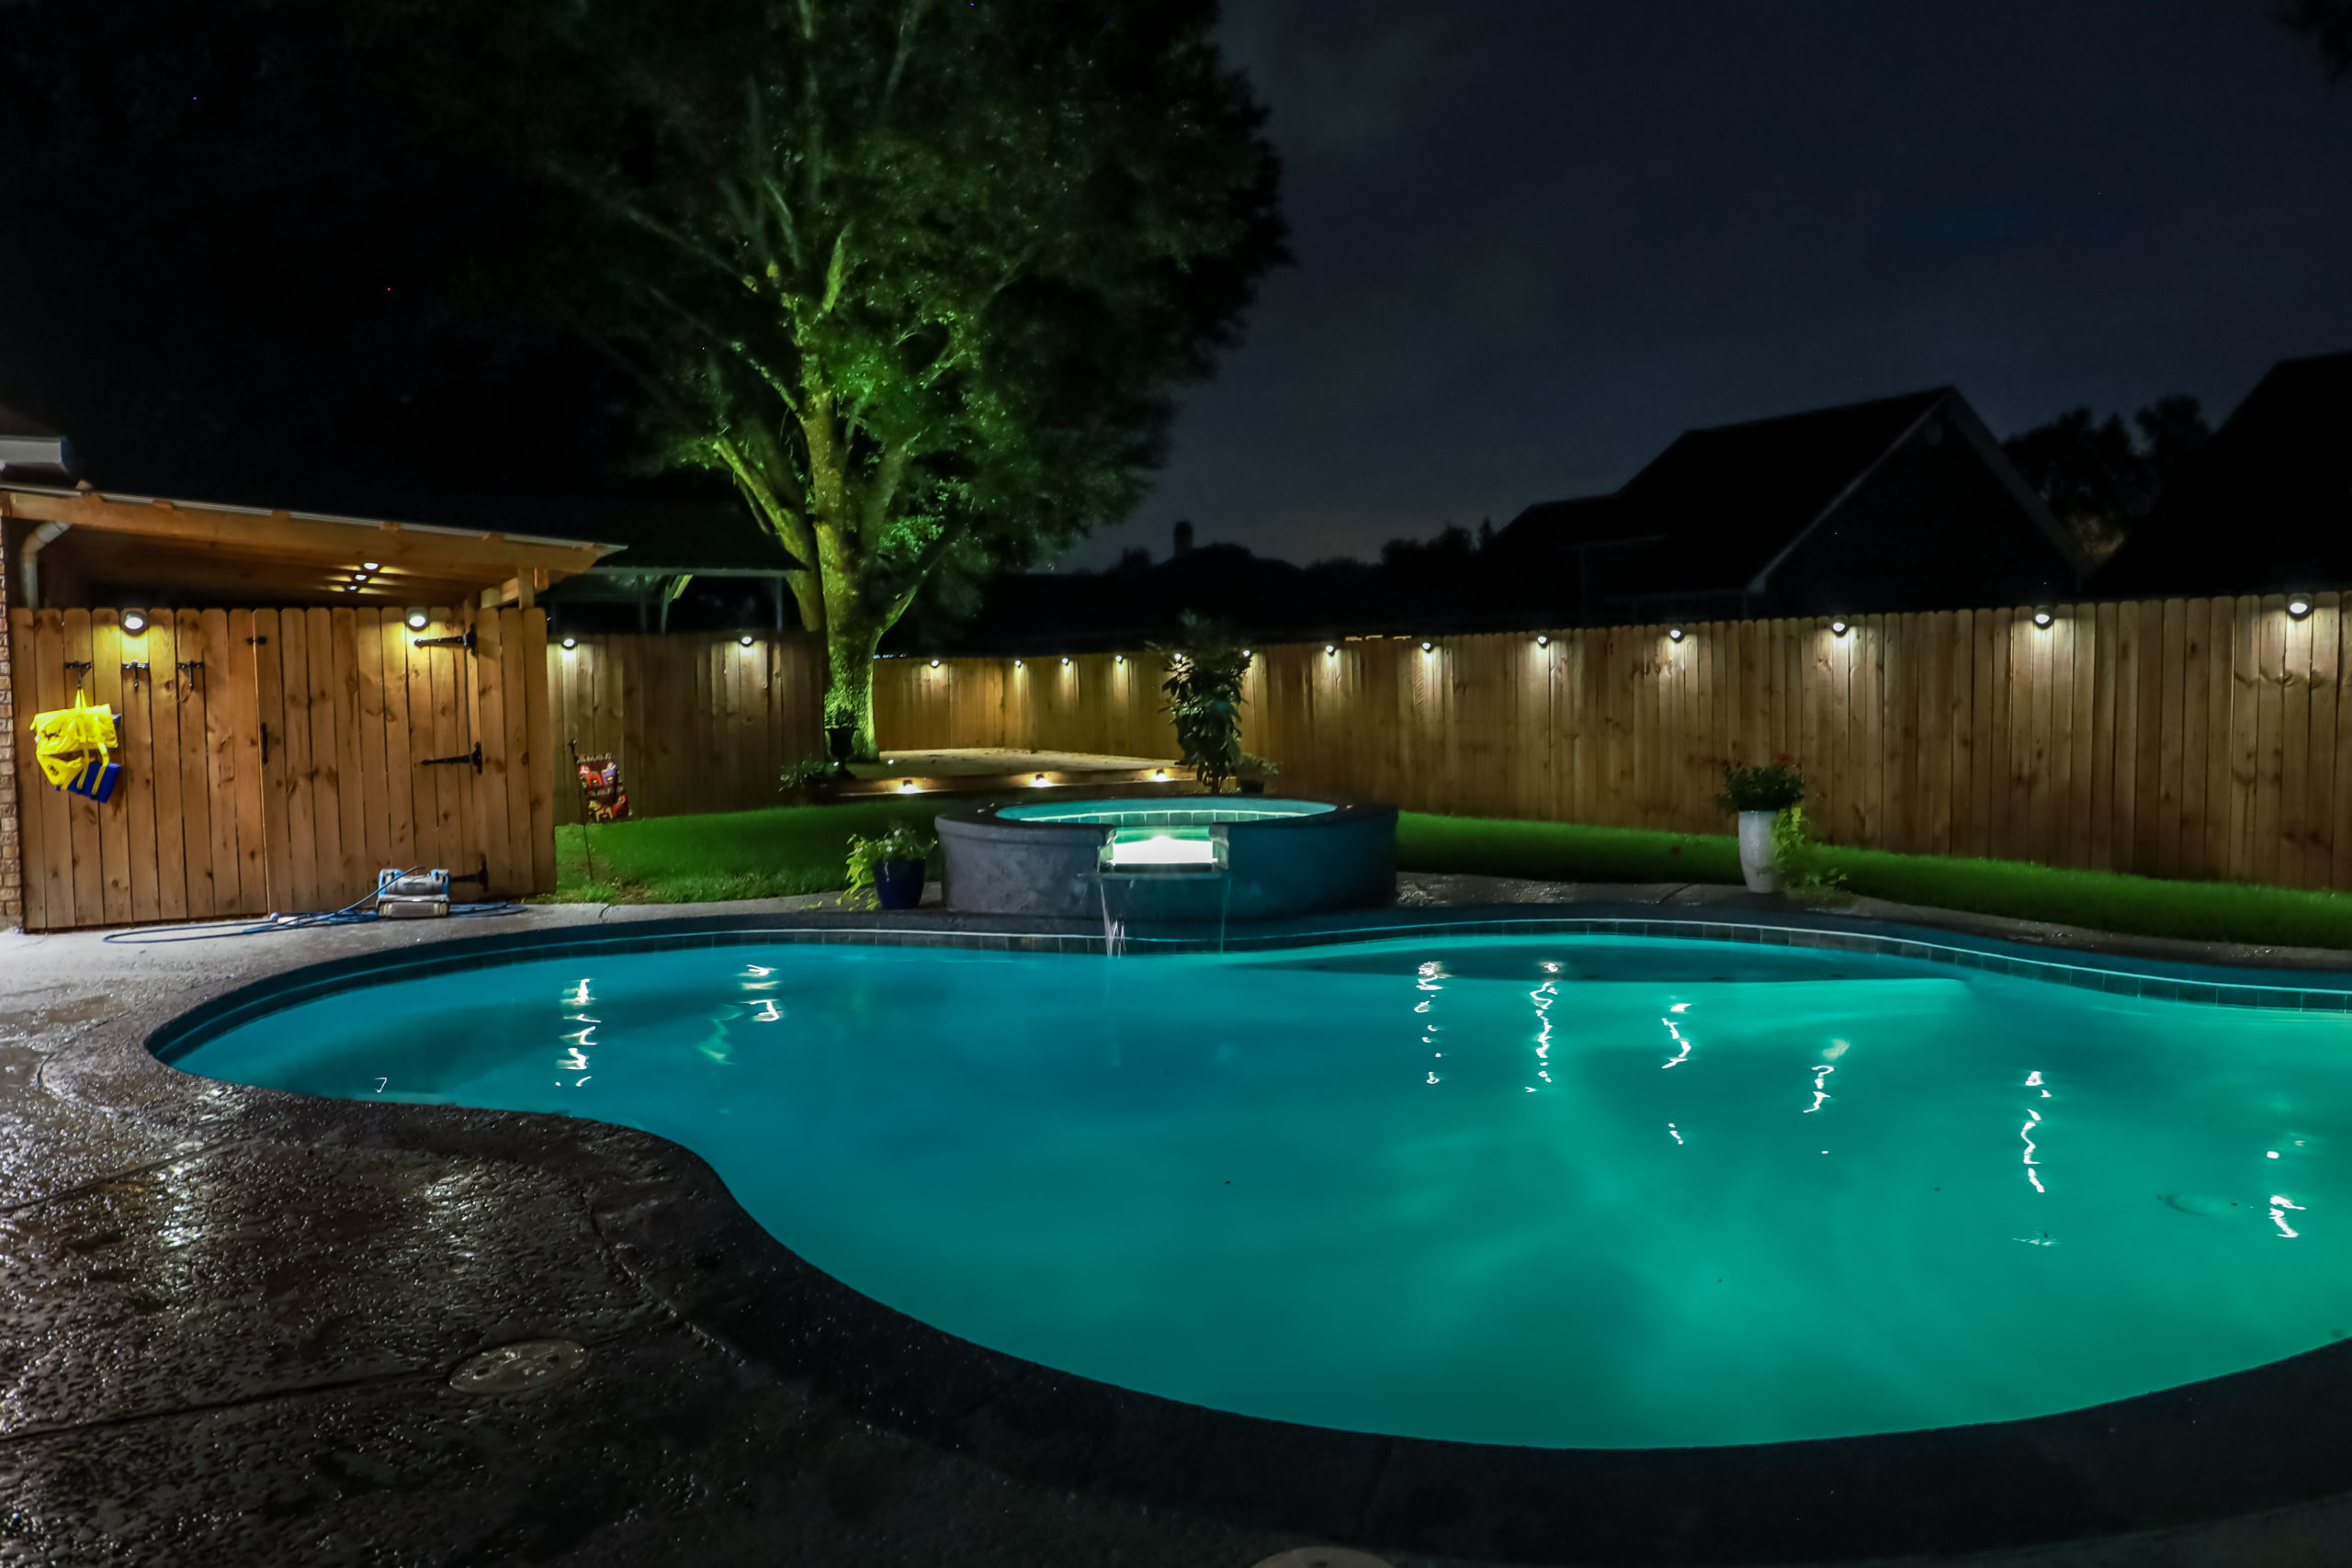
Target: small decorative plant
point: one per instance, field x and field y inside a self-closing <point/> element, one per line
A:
<point x="807" y="776"/>
<point x="900" y="842"/>
<point x="1768" y="786"/>
<point x="1253" y="771"/>
<point x="1204" y="667"/>
<point x="1806" y="872"/>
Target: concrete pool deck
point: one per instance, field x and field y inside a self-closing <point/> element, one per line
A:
<point x="231" y="1315"/>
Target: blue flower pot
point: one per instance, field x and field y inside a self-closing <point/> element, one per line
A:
<point x="898" y="884"/>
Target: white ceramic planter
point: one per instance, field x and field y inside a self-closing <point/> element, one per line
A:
<point x="1757" y="867"/>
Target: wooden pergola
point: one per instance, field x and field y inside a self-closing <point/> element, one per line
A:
<point x="74" y="547"/>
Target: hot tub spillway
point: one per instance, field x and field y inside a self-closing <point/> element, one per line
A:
<point x="1204" y="861"/>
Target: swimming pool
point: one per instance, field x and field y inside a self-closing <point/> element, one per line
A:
<point x="1552" y="1190"/>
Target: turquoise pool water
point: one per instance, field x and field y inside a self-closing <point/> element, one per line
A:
<point x="1561" y="1191"/>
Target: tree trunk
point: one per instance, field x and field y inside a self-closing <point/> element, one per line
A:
<point x="850" y="642"/>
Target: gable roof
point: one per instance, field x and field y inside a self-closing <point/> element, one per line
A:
<point x="2265" y="506"/>
<point x="1722" y="507"/>
<point x="1737" y="495"/>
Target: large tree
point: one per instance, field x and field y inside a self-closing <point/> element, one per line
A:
<point x="2328" y="24"/>
<point x="2096" y="477"/>
<point x="922" y="277"/>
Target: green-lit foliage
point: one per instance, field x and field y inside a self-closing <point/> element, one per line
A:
<point x="1204" y="669"/>
<point x="923" y="278"/>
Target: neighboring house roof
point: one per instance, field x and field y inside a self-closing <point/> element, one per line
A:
<point x="1721" y="510"/>
<point x="2265" y="506"/>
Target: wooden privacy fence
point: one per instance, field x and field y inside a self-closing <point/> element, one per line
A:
<point x="274" y="759"/>
<point x="2198" y="737"/>
<point x="697" y="723"/>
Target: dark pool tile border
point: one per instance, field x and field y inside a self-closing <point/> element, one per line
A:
<point x="2146" y="979"/>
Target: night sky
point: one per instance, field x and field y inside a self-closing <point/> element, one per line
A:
<point x="1537" y="238"/>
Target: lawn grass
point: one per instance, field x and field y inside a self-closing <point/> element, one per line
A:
<point x="2143" y="905"/>
<point x="729" y="855"/>
<point x="801" y="848"/>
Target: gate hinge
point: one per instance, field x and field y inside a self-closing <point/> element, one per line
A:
<point x="473" y="756"/>
<point x="465" y="641"/>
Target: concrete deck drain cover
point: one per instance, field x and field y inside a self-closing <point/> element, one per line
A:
<point x="530" y="1364"/>
<point x="1323" y="1557"/>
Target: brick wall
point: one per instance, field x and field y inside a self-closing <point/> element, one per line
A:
<point x="12" y="875"/>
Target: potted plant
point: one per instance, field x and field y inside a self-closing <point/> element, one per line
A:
<point x="840" y="733"/>
<point x="889" y="867"/>
<point x="1757" y="796"/>
<point x="1254" y="772"/>
<point x="1204" y="668"/>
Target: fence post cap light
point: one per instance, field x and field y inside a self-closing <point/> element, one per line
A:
<point x="2042" y="617"/>
<point x="1837" y="629"/>
<point x="2299" y="604"/>
<point x="133" y="621"/>
<point x="417" y="620"/>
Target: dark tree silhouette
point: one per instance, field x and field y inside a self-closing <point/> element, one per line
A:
<point x="2327" y="25"/>
<point x="2098" y="479"/>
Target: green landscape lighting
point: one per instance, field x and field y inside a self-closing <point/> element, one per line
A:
<point x="2299" y="605"/>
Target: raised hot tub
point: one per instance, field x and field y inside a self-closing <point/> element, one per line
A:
<point x="1221" y="858"/>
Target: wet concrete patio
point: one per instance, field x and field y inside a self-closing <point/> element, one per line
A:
<point x="232" y="1317"/>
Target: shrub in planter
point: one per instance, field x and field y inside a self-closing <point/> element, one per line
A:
<point x="1757" y="797"/>
<point x="1204" y="668"/>
<point x="1254" y="771"/>
<point x="886" y="869"/>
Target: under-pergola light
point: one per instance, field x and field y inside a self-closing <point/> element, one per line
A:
<point x="367" y="566"/>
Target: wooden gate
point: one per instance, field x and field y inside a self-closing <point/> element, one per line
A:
<point x="274" y="759"/>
